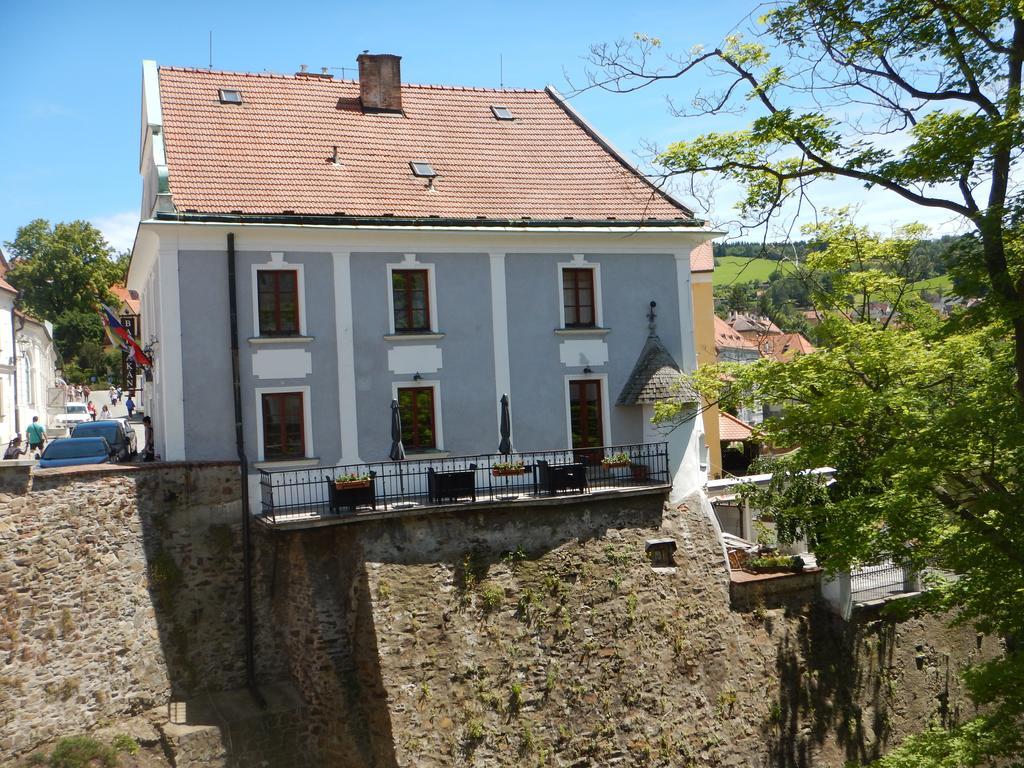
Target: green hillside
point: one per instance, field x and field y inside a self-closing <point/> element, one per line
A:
<point x="740" y="269"/>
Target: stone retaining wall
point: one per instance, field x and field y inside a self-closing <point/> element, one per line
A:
<point x="120" y="590"/>
<point x="525" y="635"/>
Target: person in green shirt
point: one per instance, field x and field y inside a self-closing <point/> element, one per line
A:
<point x="36" y="434"/>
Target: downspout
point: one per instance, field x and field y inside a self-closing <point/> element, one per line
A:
<point x="13" y="363"/>
<point x="250" y="658"/>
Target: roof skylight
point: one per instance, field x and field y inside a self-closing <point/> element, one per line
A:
<point x="426" y="170"/>
<point x="230" y="96"/>
<point x="502" y="113"/>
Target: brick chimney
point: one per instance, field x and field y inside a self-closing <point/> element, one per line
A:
<point x="380" y="82"/>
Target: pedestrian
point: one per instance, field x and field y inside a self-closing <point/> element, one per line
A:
<point x="36" y="434"/>
<point x="92" y="410"/>
<point x="130" y="405"/>
<point x="148" y="454"/>
<point x="113" y="397"/>
<point x="15" y="448"/>
<point x="104" y="412"/>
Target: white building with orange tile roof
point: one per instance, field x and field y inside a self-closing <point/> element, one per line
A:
<point x="435" y="245"/>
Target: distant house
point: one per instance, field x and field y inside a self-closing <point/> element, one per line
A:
<point x="434" y="245"/>
<point x="28" y="363"/>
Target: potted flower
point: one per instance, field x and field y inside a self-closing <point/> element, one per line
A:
<point x="507" y="468"/>
<point x="774" y="563"/>
<point x="615" y="460"/>
<point x="352" y="480"/>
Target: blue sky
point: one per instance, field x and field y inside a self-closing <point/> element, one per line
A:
<point x="70" y="79"/>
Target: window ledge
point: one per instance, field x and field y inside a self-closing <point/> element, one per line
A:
<point x="424" y="336"/>
<point x="280" y="339"/>
<point x="582" y="331"/>
<point x="287" y="463"/>
<point x="428" y="455"/>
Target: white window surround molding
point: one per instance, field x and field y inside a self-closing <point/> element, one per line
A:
<point x="409" y="261"/>
<point x="438" y="431"/>
<point x="307" y="422"/>
<point x="579" y="261"/>
<point x="278" y="262"/>
<point x="605" y="412"/>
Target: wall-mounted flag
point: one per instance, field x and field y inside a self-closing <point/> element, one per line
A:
<point x="120" y="337"/>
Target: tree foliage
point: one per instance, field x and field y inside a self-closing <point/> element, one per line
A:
<point x="62" y="273"/>
<point x="919" y="98"/>
<point x="67" y="267"/>
<point x="920" y="420"/>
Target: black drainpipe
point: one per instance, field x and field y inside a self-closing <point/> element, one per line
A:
<point x="250" y="656"/>
<point x="14" y="365"/>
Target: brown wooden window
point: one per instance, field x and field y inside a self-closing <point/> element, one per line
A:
<point x="410" y="292"/>
<point x="283" y="426"/>
<point x="416" y="407"/>
<point x="578" y="298"/>
<point x="278" y="295"/>
<point x="585" y="416"/>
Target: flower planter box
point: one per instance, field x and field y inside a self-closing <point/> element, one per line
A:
<point x="342" y="485"/>
<point x="508" y="472"/>
<point x="351" y="494"/>
<point x="614" y="464"/>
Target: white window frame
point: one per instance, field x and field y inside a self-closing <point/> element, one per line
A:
<point x="307" y="422"/>
<point x="438" y="431"/>
<point x="605" y="406"/>
<point x="579" y="261"/>
<point x="278" y="262"/>
<point x="409" y="261"/>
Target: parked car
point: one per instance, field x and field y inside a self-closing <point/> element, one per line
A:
<point x="123" y="443"/>
<point x="76" y="451"/>
<point x="74" y="414"/>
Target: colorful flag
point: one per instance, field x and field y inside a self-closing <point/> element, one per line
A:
<point x="120" y="337"/>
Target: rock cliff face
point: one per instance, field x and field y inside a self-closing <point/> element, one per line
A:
<point x="526" y="635"/>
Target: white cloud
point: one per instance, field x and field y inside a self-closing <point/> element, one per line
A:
<point x="118" y="228"/>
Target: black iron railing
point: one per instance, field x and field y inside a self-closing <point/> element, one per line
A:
<point x="874" y="582"/>
<point x="304" y="493"/>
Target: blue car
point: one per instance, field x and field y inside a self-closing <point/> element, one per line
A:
<point x="75" y="451"/>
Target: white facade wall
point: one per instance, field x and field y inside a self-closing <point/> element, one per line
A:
<point x="333" y="366"/>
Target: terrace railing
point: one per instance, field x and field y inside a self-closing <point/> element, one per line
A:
<point x="484" y="478"/>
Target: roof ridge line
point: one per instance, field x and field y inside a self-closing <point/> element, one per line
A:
<point x="298" y="76"/>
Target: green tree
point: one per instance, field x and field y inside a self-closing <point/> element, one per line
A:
<point x="921" y="422"/>
<point x="837" y="85"/>
<point x="61" y="268"/>
<point x="62" y="273"/>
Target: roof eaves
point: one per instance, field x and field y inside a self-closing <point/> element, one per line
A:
<point x="421" y="221"/>
<point x="611" y="150"/>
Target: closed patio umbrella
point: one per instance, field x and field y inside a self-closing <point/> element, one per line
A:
<point x="397" y="452"/>
<point x="397" y="449"/>
<point x="505" y="446"/>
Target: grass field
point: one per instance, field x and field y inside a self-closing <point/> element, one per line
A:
<point x="738" y="269"/>
<point x="942" y="284"/>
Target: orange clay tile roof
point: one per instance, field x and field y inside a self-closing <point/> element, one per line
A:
<point x="730" y="428"/>
<point x="272" y="154"/>
<point x="4" y="285"/>
<point x="702" y="258"/>
<point x="727" y="338"/>
<point x="785" y="347"/>
<point x="126" y="297"/>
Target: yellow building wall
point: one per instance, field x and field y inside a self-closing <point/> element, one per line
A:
<point x="704" y="334"/>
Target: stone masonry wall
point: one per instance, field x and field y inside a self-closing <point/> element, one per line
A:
<point x="544" y="637"/>
<point x="120" y="590"/>
<point x="526" y="635"/>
